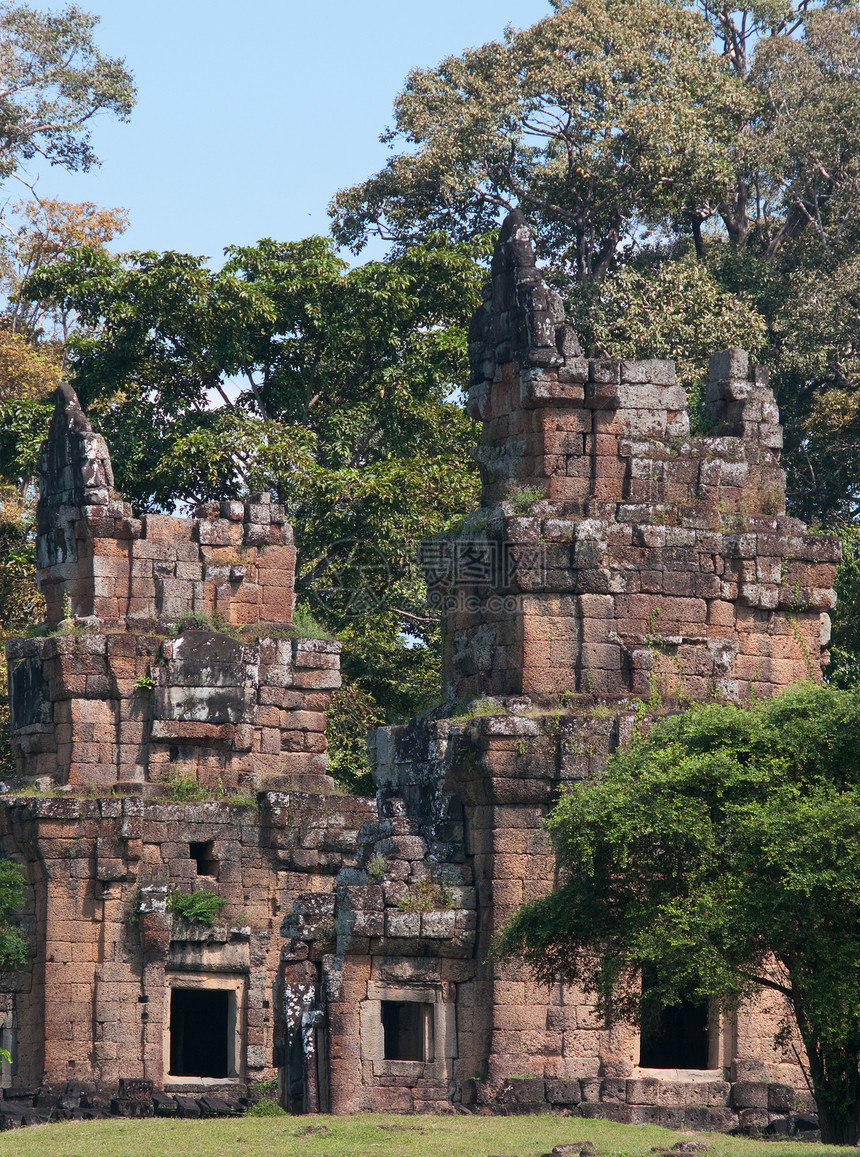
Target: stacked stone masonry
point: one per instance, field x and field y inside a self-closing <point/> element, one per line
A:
<point x="617" y="559"/>
<point x="94" y="1004"/>
<point x="141" y="687"/>
<point x="169" y="670"/>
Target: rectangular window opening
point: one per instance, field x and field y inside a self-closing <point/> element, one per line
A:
<point x="203" y="855"/>
<point x="202" y="1023"/>
<point x="408" y="1031"/>
<point x="675" y="1036"/>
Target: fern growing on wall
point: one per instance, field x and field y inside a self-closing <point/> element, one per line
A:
<point x="196" y="907"/>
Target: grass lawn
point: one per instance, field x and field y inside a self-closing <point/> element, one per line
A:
<point x="362" y="1136"/>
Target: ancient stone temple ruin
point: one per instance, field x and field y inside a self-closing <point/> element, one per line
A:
<point x="616" y="560"/>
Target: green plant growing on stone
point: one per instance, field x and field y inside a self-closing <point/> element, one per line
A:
<point x="770" y="501"/>
<point x="198" y="621"/>
<point x="327" y="938"/>
<point x="477" y="709"/>
<point x="144" y="682"/>
<point x="426" y="896"/>
<point x="183" y="787"/>
<point x="522" y="498"/>
<point x="265" y="1093"/>
<point x="241" y="799"/>
<point x="307" y="626"/>
<point x="240" y="918"/>
<point x="266" y="1107"/>
<point x="652" y="637"/>
<point x="375" y="866"/>
<point x="659" y="683"/>
<point x="196" y="907"/>
<point x="68" y="626"/>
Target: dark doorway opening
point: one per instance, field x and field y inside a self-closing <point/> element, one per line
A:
<point x="675" y="1037"/>
<point x="294" y="1089"/>
<point x="199" y="1032"/>
<point x="407" y="1027"/>
<point x="203" y="855"/>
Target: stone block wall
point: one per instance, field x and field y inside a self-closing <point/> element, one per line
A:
<point x="95" y="560"/>
<point x="140" y="684"/>
<point x="618" y="565"/>
<point x="404" y="925"/>
<point x="168" y="670"/>
<point x="94" y="1005"/>
<point x="615" y="554"/>
<point x="93" y="709"/>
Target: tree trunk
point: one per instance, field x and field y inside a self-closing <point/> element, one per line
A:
<point x="582" y="269"/>
<point x="697" y="236"/>
<point x="736" y="217"/>
<point x="839" y="1110"/>
<point x="835" y="1077"/>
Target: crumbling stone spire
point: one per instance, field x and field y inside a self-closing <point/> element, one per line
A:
<point x="161" y="671"/>
<point x="74" y="471"/>
<point x="521" y="319"/>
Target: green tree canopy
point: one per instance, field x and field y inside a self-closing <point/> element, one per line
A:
<point x="53" y="81"/>
<point x="286" y="370"/>
<point x="601" y="116"/>
<point x="637" y="136"/>
<point x="717" y="856"/>
<point x="606" y="117"/>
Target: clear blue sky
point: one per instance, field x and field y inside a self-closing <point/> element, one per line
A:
<point x="251" y="114"/>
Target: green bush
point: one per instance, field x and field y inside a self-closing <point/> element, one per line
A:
<point x="266" y="1108"/>
<point x="196" y="907"/>
<point x="182" y="787"/>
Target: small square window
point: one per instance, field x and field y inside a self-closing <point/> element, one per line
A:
<point x="408" y="1030"/>
<point x="203" y="855"/>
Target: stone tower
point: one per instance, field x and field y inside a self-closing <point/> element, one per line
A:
<point x="616" y="559"/>
<point x="136" y="685"/>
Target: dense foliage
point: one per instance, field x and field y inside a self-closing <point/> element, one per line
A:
<point x="718" y="855"/>
<point x="335" y="387"/>
<point x="53" y="82"/>
<point x="647" y="140"/>
<point x="13" y="946"/>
